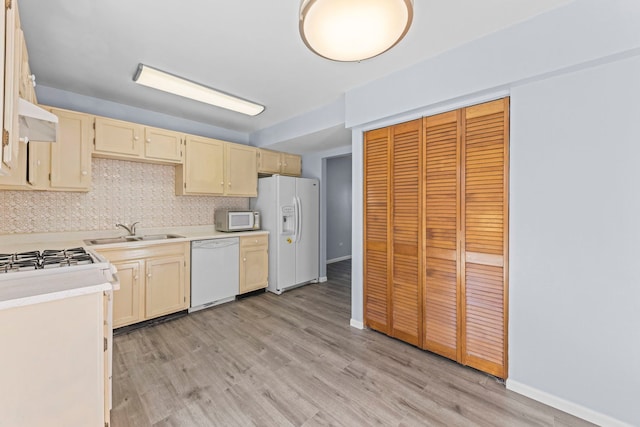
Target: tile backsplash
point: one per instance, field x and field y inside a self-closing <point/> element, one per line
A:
<point x="121" y="191"/>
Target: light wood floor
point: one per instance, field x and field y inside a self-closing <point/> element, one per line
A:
<point x="293" y="359"/>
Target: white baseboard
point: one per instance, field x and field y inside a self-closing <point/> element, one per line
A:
<point x="564" y="405"/>
<point x="356" y="324"/>
<point x="342" y="258"/>
<point x="322" y="279"/>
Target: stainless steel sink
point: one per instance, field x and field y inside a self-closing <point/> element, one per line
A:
<point x="125" y="239"/>
<point x="159" y="236"/>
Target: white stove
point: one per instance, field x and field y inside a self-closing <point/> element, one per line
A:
<point x="37" y="264"/>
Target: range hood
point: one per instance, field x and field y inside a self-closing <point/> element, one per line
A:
<point x="35" y="123"/>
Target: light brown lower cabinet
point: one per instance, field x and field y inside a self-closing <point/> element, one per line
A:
<point x="154" y="281"/>
<point x="254" y="263"/>
<point x="55" y="360"/>
<point x="436" y="234"/>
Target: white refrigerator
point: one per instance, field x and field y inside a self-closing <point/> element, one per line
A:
<point x="290" y="210"/>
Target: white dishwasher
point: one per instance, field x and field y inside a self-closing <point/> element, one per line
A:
<point x="214" y="272"/>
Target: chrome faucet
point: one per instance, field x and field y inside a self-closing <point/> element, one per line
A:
<point x="130" y="229"/>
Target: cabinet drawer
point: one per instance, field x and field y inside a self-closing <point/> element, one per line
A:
<point x="251" y="241"/>
<point x="126" y="254"/>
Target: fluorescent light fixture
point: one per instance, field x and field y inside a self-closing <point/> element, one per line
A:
<point x="160" y="80"/>
<point x="354" y="30"/>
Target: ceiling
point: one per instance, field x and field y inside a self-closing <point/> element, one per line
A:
<point x="249" y="48"/>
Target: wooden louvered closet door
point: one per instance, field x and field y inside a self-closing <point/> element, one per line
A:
<point x="441" y="262"/>
<point x="436" y="223"/>
<point x="377" y="298"/>
<point x="485" y="227"/>
<point x="406" y="277"/>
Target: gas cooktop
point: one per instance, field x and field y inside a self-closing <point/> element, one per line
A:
<point x="50" y="258"/>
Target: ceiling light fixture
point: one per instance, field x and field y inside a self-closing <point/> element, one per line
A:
<point x="160" y="80"/>
<point x="354" y="30"/>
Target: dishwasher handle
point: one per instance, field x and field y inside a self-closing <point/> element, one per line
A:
<point x="214" y="243"/>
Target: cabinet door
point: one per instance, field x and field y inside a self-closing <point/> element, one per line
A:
<point x="39" y="165"/>
<point x="269" y="161"/>
<point x="12" y="63"/>
<point x="165" y="286"/>
<point x="3" y="166"/>
<point x="241" y="171"/>
<point x="291" y="164"/>
<point x="441" y="221"/>
<point x="16" y="179"/>
<point x="485" y="230"/>
<point x="56" y="345"/>
<point x="162" y="144"/>
<point x="406" y="249"/>
<point x="203" y="171"/>
<point x="71" y="154"/>
<point x="254" y="267"/>
<point x="26" y="89"/>
<point x="126" y="300"/>
<point x="377" y="299"/>
<point x="119" y="138"/>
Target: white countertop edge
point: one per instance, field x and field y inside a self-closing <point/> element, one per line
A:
<point x="11" y="243"/>
<point x="54" y="296"/>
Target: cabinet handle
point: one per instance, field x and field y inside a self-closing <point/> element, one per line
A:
<point x="148" y="140"/>
<point x="244" y="260"/>
<point x="135" y="138"/>
<point x="84" y="173"/>
<point x="149" y="275"/>
<point x="221" y="182"/>
<point x="229" y="185"/>
<point x="135" y="277"/>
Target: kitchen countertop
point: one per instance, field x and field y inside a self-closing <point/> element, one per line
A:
<point x="10" y="243"/>
<point x="17" y="290"/>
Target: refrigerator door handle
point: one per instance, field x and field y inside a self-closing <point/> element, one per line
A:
<point x="295" y="219"/>
<point x="298" y="218"/>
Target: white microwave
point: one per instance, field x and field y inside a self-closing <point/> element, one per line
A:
<point x="235" y="220"/>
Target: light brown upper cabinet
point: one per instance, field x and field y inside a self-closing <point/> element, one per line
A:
<point x="11" y="74"/>
<point x="203" y="168"/>
<point x="162" y="144"/>
<point x="219" y="168"/>
<point x="241" y="175"/>
<point x="118" y="139"/>
<point x="275" y="162"/>
<point x="447" y="231"/>
<point x="291" y="164"/>
<point x="66" y="164"/>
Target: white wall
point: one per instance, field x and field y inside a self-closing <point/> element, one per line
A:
<point x="315" y="166"/>
<point x="574" y="295"/>
<point x="101" y="107"/>
<point x="575" y="229"/>
<point x="338" y="183"/>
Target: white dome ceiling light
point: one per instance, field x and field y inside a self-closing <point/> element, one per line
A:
<point x="354" y="30"/>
